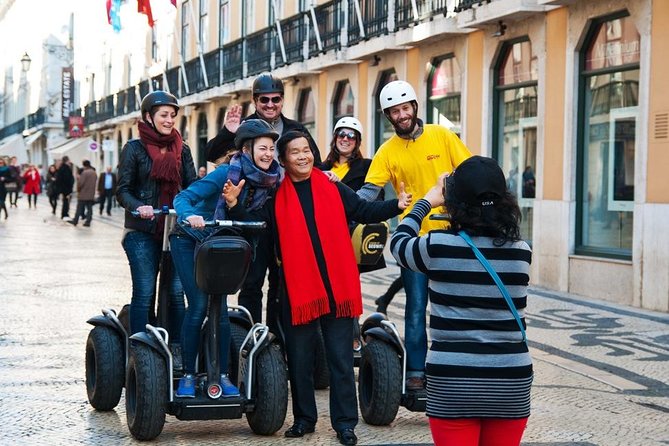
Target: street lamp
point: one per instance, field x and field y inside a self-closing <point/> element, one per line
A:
<point x="25" y="62"/>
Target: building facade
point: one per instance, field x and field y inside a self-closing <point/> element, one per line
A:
<point x="569" y="96"/>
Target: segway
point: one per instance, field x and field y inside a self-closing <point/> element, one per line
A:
<point x="221" y="265"/>
<point x="382" y="373"/>
<point x="107" y="343"/>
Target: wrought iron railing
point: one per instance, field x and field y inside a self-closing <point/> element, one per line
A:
<point x="233" y="61"/>
<point x="292" y="31"/>
<point x="259" y="49"/>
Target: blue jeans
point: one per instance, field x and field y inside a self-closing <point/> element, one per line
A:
<point x="183" y="250"/>
<point x="144" y="253"/>
<point x="415" y="336"/>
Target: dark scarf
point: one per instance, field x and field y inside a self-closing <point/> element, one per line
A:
<point x="306" y="291"/>
<point x="166" y="167"/>
<point x="259" y="183"/>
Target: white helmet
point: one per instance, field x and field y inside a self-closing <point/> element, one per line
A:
<point x="395" y="93"/>
<point x="348" y="122"/>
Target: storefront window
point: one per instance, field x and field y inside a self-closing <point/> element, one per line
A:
<point x="515" y="142"/>
<point x="444" y="86"/>
<point x="607" y="138"/>
<point x="343" y="102"/>
<point x="306" y="110"/>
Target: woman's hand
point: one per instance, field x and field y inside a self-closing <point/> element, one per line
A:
<point x="436" y="194"/>
<point x="146" y="212"/>
<point x="331" y="176"/>
<point x="404" y="198"/>
<point x="196" y="221"/>
<point x="231" y="192"/>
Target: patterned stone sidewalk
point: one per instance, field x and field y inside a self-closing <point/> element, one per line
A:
<point x="601" y="370"/>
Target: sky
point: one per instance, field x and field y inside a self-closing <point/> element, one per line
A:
<point x="28" y="22"/>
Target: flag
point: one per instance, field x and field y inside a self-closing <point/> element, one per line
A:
<point x="114" y="14"/>
<point x="144" y="7"/>
<point x="174" y="3"/>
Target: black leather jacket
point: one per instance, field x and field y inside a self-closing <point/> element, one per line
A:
<point x="135" y="186"/>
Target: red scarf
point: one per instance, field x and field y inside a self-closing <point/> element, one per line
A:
<point x="306" y="291"/>
<point x="166" y="167"/>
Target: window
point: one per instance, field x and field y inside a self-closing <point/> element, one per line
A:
<point x="306" y="110"/>
<point x="223" y="22"/>
<point x="154" y="45"/>
<point x="202" y="129"/>
<point x="443" y="95"/>
<point x="343" y="102"/>
<point x="279" y="10"/>
<point x="608" y="112"/>
<point x="248" y="16"/>
<point x="184" y="30"/>
<point x="383" y="128"/>
<point x="204" y="24"/>
<point x="515" y="123"/>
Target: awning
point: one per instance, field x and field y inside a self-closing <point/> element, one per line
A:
<point x="14" y="146"/>
<point x="77" y="149"/>
<point x="32" y="138"/>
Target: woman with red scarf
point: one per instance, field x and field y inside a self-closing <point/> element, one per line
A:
<point x="309" y="217"/>
<point x="152" y="170"/>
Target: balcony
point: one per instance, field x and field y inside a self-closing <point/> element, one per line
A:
<point x="480" y="13"/>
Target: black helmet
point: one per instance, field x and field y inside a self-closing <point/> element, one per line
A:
<point x="156" y="99"/>
<point x="266" y="83"/>
<point x="251" y="129"/>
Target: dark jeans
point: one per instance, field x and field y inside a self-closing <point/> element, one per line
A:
<point x="415" y="335"/>
<point x="144" y="252"/>
<point x="250" y="295"/>
<point x="13" y="196"/>
<point x="183" y="249"/>
<point x="84" y="210"/>
<point x="301" y="345"/>
<point x="65" y="209"/>
<point x="53" y="201"/>
<point x="107" y="196"/>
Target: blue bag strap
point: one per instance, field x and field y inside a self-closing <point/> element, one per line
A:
<point x="498" y="281"/>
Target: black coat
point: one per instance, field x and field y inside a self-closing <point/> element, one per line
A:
<point x="64" y="179"/>
<point x="136" y="187"/>
<point x="225" y="140"/>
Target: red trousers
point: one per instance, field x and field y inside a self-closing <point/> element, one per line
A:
<point x="477" y="431"/>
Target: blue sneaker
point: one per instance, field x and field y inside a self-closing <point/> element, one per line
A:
<point x="186" y="387"/>
<point x="229" y="389"/>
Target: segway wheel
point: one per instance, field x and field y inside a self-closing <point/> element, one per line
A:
<point x="321" y="371"/>
<point x="379" y="383"/>
<point x="105" y="368"/>
<point x="146" y="392"/>
<point x="237" y="335"/>
<point x="270" y="392"/>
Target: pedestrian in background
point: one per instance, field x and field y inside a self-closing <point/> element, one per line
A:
<point x="85" y="194"/>
<point x="5" y="175"/>
<point x="14" y="184"/>
<point x="106" y="189"/>
<point x="152" y="170"/>
<point x="51" y="188"/>
<point x="32" y="185"/>
<point x="201" y="172"/>
<point x="479" y="370"/>
<point x="64" y="185"/>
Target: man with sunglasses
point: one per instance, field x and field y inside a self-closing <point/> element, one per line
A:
<point x="268" y="101"/>
<point x="415" y="155"/>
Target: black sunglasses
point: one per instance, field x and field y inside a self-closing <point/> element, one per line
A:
<point x="266" y="99"/>
<point x="344" y="134"/>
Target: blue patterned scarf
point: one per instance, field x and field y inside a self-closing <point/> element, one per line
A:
<point x="259" y="183"/>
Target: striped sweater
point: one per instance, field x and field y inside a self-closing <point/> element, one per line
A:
<point x="477" y="366"/>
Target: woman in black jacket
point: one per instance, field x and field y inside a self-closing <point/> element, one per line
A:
<point x="152" y="170"/>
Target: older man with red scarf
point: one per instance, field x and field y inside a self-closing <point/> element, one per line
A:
<point x="309" y="218"/>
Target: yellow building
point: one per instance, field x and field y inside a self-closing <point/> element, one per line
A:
<point x="570" y="96"/>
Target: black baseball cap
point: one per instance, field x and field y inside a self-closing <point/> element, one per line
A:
<point x="477" y="181"/>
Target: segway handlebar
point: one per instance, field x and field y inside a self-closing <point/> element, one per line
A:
<point x="165" y="210"/>
<point x="443" y="217"/>
<point x="230" y="224"/>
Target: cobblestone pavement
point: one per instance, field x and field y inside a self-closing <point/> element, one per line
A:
<point x="601" y="370"/>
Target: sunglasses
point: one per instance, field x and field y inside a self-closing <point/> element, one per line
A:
<point x="344" y="134"/>
<point x="266" y="99"/>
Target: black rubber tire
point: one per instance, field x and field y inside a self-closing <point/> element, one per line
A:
<point x="321" y="371"/>
<point x="270" y="392"/>
<point x="146" y="392"/>
<point x="105" y="367"/>
<point x="379" y="383"/>
<point x="237" y="335"/>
